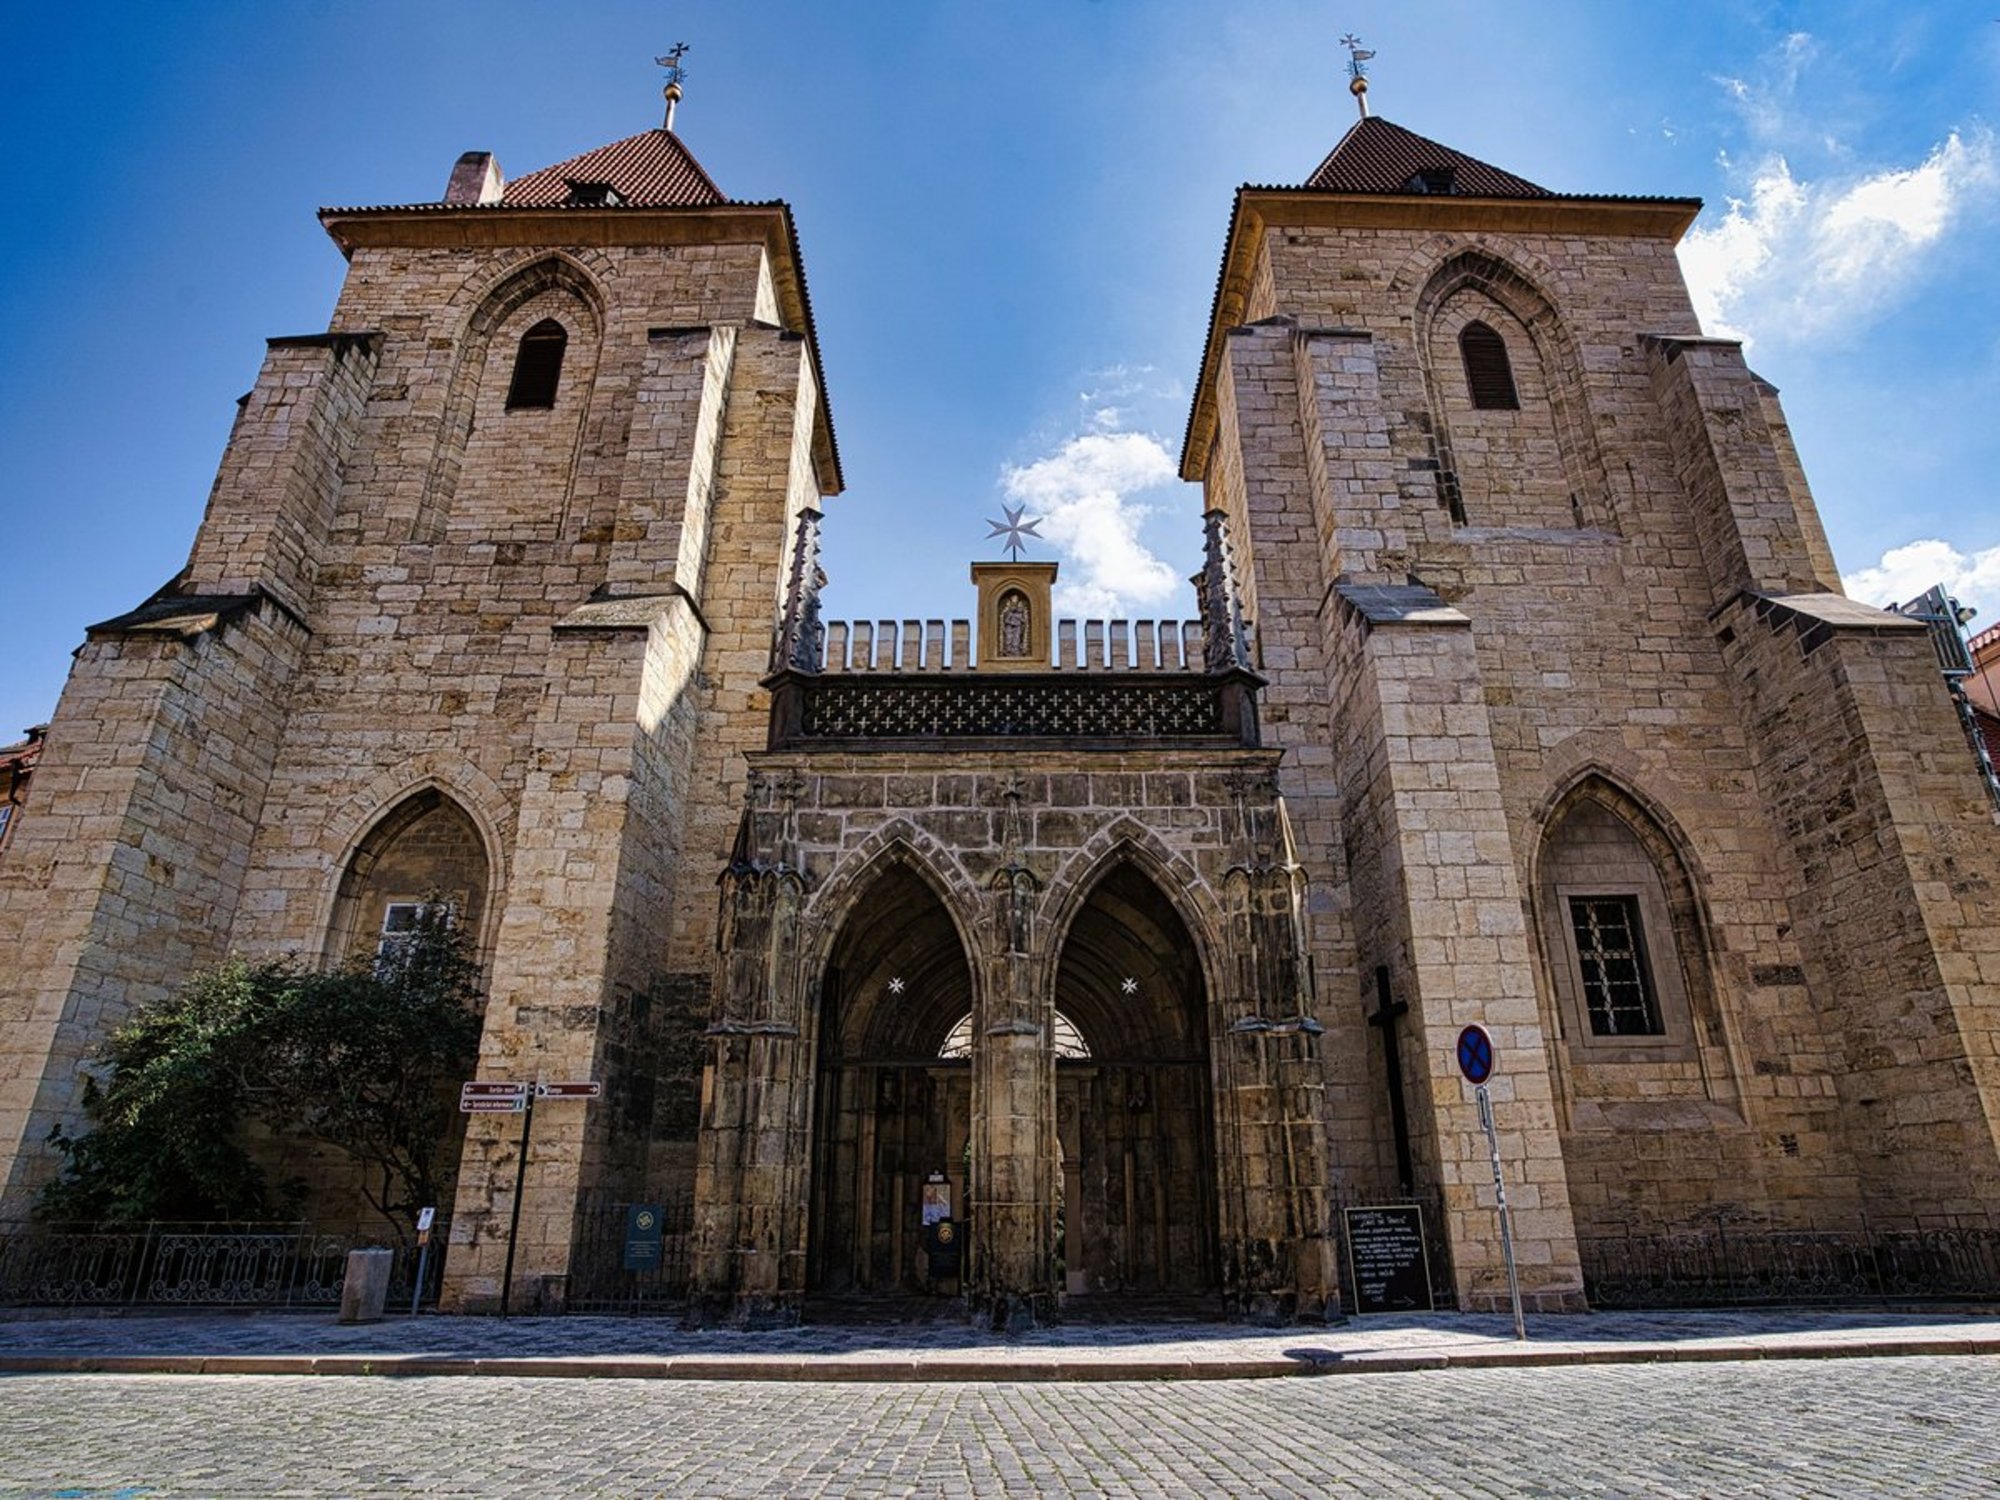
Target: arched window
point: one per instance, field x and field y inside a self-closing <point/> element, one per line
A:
<point x="1067" y="1039"/>
<point x="538" y="367"/>
<point x="1488" y="375"/>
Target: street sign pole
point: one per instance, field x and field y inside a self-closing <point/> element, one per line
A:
<point x="1506" y="1218"/>
<point x="1476" y="1060"/>
<point x="514" y="1220"/>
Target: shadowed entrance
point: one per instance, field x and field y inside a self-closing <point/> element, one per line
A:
<point x="1135" y="1119"/>
<point x="888" y="1110"/>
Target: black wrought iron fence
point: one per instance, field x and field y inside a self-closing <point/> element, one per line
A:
<point x="300" y="1264"/>
<point x="651" y="1281"/>
<point x="1724" y="1265"/>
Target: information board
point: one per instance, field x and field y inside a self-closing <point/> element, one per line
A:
<point x="1385" y="1248"/>
<point x="642" y="1237"/>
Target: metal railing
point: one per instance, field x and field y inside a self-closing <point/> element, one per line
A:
<point x="599" y="1281"/>
<point x="300" y="1264"/>
<point x="1725" y="1265"/>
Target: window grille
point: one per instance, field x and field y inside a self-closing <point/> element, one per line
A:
<point x="1611" y="954"/>
<point x="1488" y="374"/>
<point x="538" y="367"/>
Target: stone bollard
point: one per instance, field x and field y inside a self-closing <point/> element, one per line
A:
<point x="366" y="1289"/>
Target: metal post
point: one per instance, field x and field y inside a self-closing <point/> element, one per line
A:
<point x="514" y="1221"/>
<point x="423" y="1269"/>
<point x="1506" y="1219"/>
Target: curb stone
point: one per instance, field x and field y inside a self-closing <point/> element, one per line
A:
<point x="946" y="1369"/>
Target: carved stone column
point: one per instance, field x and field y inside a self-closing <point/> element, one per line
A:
<point x="1277" y="1245"/>
<point x="752" y="1173"/>
<point x="1012" y="1283"/>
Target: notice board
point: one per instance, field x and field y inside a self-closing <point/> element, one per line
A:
<point x="1385" y="1250"/>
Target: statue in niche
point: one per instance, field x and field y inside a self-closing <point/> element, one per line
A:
<point x="1013" y="625"/>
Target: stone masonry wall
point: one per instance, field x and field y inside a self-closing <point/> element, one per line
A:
<point x="1595" y="656"/>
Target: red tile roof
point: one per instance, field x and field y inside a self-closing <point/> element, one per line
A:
<point x="1378" y="157"/>
<point x="649" y="170"/>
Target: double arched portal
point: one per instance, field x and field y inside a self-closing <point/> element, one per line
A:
<point x="1130" y="1127"/>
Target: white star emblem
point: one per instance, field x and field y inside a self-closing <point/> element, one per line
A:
<point x="896" y="986"/>
<point x="1130" y="986"/>
<point x="1016" y="530"/>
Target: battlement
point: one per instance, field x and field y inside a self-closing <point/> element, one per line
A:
<point x="880" y="646"/>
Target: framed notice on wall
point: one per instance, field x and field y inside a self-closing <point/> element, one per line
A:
<point x="1386" y="1255"/>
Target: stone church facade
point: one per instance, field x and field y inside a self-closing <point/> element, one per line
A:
<point x="1523" y="694"/>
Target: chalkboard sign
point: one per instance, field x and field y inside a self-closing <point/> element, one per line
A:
<point x="1385" y="1250"/>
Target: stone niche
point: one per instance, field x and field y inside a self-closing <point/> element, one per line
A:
<point x="1014" y="615"/>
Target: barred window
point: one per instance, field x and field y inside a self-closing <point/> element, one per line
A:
<point x="538" y="367"/>
<point x="1611" y="952"/>
<point x="1488" y="374"/>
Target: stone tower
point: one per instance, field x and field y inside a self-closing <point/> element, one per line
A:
<point x="1580" y="737"/>
<point x="479" y="607"/>
<point x="1522" y="693"/>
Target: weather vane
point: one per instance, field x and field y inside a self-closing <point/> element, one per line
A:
<point x="1357" y="70"/>
<point x="1016" y="530"/>
<point x="675" y="74"/>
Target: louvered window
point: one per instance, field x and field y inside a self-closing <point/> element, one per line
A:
<point x="538" y="367"/>
<point x="1487" y="373"/>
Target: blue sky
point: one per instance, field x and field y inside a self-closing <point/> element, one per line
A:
<point x="1011" y="218"/>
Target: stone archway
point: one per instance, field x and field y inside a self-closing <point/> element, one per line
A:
<point x="889" y="1110"/>
<point x="1135" y="1118"/>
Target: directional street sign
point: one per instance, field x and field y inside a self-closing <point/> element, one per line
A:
<point x="587" y="1088"/>
<point x="1475" y="1054"/>
<point x="481" y="1096"/>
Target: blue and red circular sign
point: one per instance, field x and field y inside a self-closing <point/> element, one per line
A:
<point x="1475" y="1054"/>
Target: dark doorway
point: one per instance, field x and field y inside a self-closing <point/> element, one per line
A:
<point x="1135" y="1118"/>
<point x="889" y="1111"/>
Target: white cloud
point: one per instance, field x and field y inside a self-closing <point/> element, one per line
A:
<point x="1085" y="493"/>
<point x="1796" y="258"/>
<point x="1906" y="571"/>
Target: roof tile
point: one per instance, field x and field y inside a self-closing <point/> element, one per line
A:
<point x="1378" y="157"/>
<point x="649" y="170"/>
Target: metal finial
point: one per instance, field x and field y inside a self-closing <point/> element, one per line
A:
<point x="675" y="74"/>
<point x="1357" y="70"/>
<point x="1015" y="530"/>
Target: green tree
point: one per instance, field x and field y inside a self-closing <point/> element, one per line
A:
<point x="362" y="1058"/>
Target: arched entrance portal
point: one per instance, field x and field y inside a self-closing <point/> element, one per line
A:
<point x="1135" y="1118"/>
<point x="889" y="1110"/>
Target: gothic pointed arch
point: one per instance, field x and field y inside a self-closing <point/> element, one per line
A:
<point x="898" y="842"/>
<point x="1126" y="841"/>
<point x="515" y="406"/>
<point x="1623" y="929"/>
<point x="423" y="856"/>
<point x="1509" y="408"/>
<point x="889" y="1113"/>
<point x="1135" y="1119"/>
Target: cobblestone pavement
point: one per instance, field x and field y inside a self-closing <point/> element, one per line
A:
<point x="1914" y="1426"/>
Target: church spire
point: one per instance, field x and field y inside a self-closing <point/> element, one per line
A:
<point x="675" y="73"/>
<point x="1357" y="71"/>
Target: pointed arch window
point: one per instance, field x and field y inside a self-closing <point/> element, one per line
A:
<point x="1488" y="373"/>
<point x="538" y="367"/>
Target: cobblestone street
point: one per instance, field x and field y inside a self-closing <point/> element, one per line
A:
<point x="1845" y="1427"/>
